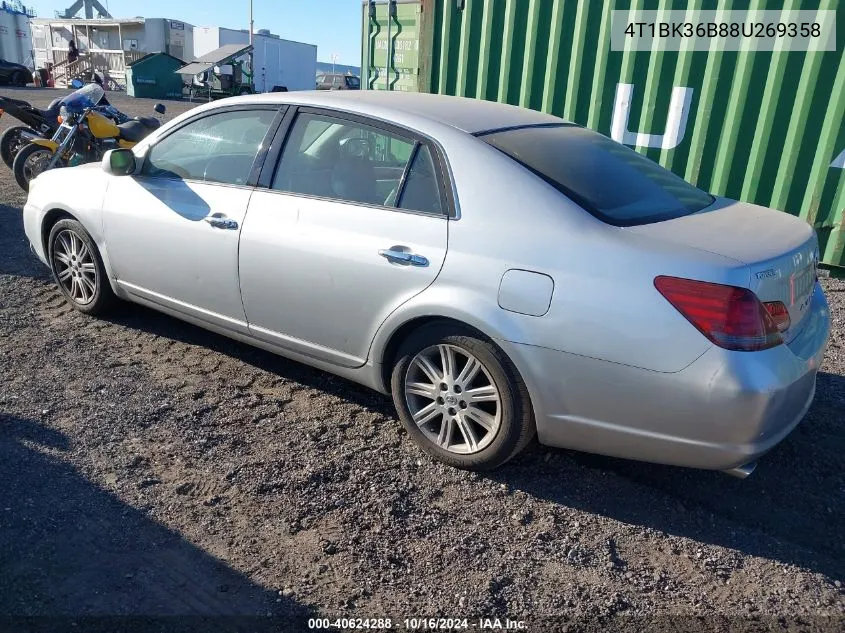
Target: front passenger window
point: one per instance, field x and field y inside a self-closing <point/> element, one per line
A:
<point x="219" y="148"/>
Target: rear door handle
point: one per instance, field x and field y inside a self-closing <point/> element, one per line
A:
<point x="401" y="257"/>
<point x="220" y="221"/>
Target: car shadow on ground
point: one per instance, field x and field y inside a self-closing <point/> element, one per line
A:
<point x="762" y="515"/>
<point x="147" y="320"/>
<point x="70" y="550"/>
<point x="15" y="256"/>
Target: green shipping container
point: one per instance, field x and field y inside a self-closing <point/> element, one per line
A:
<point x="154" y="77"/>
<point x="760" y="126"/>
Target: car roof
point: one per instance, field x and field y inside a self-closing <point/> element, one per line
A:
<point x="468" y="115"/>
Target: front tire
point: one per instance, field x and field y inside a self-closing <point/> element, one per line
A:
<point x="460" y="397"/>
<point x="10" y="143"/>
<point x="78" y="268"/>
<point x="31" y="161"/>
<point x="18" y="79"/>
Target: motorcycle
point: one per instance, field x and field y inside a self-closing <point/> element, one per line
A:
<point x="85" y="133"/>
<point x="35" y="122"/>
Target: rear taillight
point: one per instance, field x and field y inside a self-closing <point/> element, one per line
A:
<point x="780" y="315"/>
<point x="731" y="317"/>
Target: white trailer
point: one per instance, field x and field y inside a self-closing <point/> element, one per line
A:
<point x="15" y="36"/>
<point x="278" y="63"/>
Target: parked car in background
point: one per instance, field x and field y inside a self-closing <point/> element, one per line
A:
<point x="467" y="257"/>
<point x="338" y="81"/>
<point x="14" y="74"/>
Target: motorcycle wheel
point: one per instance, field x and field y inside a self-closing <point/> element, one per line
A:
<point x="10" y="143"/>
<point x="31" y="161"/>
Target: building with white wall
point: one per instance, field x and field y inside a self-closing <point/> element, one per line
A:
<point x="109" y="44"/>
<point x="147" y="35"/>
<point x="15" y="36"/>
<point x="278" y="62"/>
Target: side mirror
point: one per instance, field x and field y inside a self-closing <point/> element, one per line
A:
<point x="160" y="108"/>
<point x="76" y="84"/>
<point x="119" y="162"/>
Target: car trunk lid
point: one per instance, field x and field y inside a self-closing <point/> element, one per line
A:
<point x="780" y="250"/>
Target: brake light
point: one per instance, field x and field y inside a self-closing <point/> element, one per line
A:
<point x="733" y="318"/>
<point x="780" y="314"/>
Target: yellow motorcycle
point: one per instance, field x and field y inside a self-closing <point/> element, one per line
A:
<point x="87" y="130"/>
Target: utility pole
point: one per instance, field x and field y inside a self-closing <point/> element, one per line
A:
<point x="251" y="43"/>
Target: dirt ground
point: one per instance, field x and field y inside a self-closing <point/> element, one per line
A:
<point x="151" y="469"/>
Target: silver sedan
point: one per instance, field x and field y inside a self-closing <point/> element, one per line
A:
<point x="502" y="272"/>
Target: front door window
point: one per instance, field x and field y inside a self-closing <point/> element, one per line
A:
<point x="220" y="148"/>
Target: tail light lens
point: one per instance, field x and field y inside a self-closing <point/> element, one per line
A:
<point x="780" y="315"/>
<point x="732" y="318"/>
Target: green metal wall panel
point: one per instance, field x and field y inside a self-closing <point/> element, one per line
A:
<point x="764" y="127"/>
<point x="404" y="72"/>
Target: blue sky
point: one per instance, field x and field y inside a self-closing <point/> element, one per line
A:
<point x="333" y="25"/>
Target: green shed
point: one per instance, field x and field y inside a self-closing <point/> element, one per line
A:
<point x="154" y="77"/>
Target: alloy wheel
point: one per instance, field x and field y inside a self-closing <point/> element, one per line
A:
<point x="453" y="399"/>
<point x="75" y="268"/>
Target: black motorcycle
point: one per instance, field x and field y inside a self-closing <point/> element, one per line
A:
<point x="43" y="123"/>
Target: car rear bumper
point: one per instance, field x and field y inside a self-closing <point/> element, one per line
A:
<point x="724" y="410"/>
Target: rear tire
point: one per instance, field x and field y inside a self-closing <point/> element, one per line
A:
<point x="10" y="143"/>
<point x="78" y="268"/>
<point x="29" y="162"/>
<point x="476" y="415"/>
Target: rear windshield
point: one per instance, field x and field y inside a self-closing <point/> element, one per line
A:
<point x="614" y="183"/>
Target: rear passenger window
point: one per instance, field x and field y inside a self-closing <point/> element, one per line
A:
<point x="335" y="158"/>
<point x="344" y="160"/>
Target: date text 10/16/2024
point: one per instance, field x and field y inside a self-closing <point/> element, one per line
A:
<point x="417" y="624"/>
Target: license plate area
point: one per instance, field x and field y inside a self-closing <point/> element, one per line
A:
<point x="801" y="285"/>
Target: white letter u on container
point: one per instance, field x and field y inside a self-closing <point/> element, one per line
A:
<point x="676" y="122"/>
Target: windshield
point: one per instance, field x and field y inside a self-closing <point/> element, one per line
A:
<point x="614" y="183"/>
<point x="86" y="97"/>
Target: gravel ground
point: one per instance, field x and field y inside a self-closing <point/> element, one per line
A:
<point x="150" y="468"/>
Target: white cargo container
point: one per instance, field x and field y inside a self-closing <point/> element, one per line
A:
<point x="278" y="62"/>
<point x="15" y="36"/>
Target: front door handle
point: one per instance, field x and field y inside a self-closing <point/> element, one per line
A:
<point x="220" y="221"/>
<point x="402" y="257"/>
